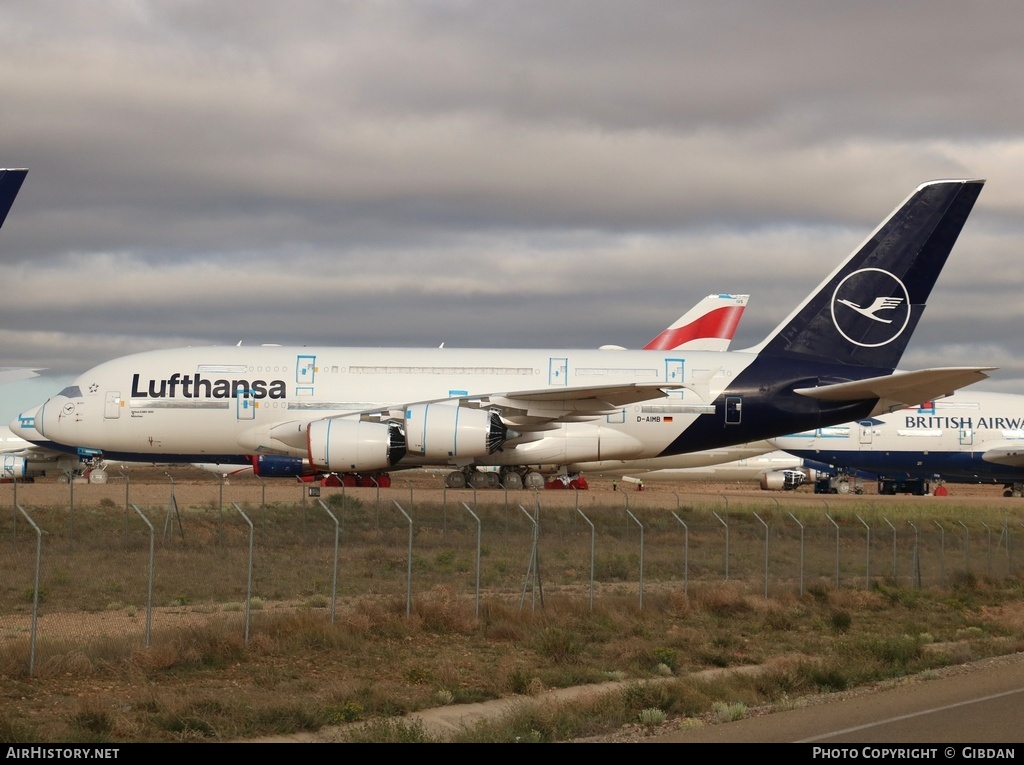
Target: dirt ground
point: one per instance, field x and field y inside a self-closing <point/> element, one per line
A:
<point x="194" y="487"/>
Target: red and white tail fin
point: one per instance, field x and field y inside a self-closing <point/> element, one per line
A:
<point x="708" y="326"/>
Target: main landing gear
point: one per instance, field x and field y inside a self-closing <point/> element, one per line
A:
<point x="508" y="478"/>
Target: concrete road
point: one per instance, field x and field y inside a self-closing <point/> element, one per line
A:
<point x="982" y="705"/>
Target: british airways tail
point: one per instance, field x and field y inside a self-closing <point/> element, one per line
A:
<point x="10" y="185"/>
<point x="865" y="311"/>
<point x="708" y="326"/>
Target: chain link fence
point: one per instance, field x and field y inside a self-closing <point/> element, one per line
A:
<point x="86" y="565"/>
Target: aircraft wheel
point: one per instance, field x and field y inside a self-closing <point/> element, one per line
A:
<point x="64" y="478"/>
<point x="1007" y="493"/>
<point x="478" y="480"/>
<point x="844" y="488"/>
<point x="534" y="480"/>
<point x="493" y="480"/>
<point x="98" y="476"/>
<point x="512" y="480"/>
<point x="1017" y="494"/>
<point x="455" y="480"/>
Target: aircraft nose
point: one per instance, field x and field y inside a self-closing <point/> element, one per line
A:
<point x="24" y="425"/>
<point x="53" y="416"/>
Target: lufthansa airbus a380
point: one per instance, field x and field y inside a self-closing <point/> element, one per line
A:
<point x="366" y="410"/>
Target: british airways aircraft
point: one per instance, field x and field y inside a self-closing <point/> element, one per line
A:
<point x="367" y="410"/>
<point x="970" y="437"/>
<point x="708" y="326"/>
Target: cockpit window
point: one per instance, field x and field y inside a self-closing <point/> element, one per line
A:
<point x="72" y="391"/>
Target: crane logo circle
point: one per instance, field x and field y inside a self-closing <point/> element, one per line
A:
<point x="871" y="304"/>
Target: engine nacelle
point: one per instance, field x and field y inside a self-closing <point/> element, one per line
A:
<point x="444" y="431"/>
<point x="275" y="466"/>
<point x="13" y="467"/>
<point x="345" y="445"/>
<point x="573" y="443"/>
<point x="782" y="480"/>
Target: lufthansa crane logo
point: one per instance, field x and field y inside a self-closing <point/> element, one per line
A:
<point x="871" y="307"/>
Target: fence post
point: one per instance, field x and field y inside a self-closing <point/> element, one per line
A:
<point x="894" y="580"/>
<point x="766" y="529"/>
<point x="867" y="555"/>
<point x="637" y="522"/>
<point x="334" y="572"/>
<point x="989" y="530"/>
<point x="408" y="568"/>
<point x="35" y="592"/>
<point x="917" y="556"/>
<point x="798" y="523"/>
<point x="837" y="547"/>
<point x="478" y="531"/>
<point x="248" y="586"/>
<point x="942" y="554"/>
<point x="726" y="539"/>
<point x="967" y="545"/>
<point x="592" y="538"/>
<point x="149" y="589"/>
<point x="686" y="554"/>
<point x="531" y="565"/>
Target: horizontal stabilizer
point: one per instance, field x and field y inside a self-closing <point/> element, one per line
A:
<point x="900" y="389"/>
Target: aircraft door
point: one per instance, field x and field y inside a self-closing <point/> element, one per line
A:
<point x="733" y="410"/>
<point x="966" y="436"/>
<point x="245" y="404"/>
<point x="558" y="371"/>
<point x="674" y="374"/>
<point x="866" y="433"/>
<point x="112" y="405"/>
<point x="305" y="369"/>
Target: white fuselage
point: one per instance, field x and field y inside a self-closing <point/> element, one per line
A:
<point x="225" y="400"/>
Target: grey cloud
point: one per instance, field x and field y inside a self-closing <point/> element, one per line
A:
<point x="506" y="174"/>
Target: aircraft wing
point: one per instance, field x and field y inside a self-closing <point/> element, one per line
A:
<point x="529" y="411"/>
<point x="19" y="457"/>
<point x="566" y="402"/>
<point x="1009" y="453"/>
<point x="900" y="389"/>
<point x="10" y="374"/>
<point x="545" y="404"/>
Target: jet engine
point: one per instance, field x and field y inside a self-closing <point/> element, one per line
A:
<point x="341" y="445"/>
<point x="275" y="466"/>
<point x="444" y="431"/>
<point x="14" y="467"/>
<point x="782" y="480"/>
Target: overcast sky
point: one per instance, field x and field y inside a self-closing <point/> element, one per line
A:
<point x="517" y="174"/>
